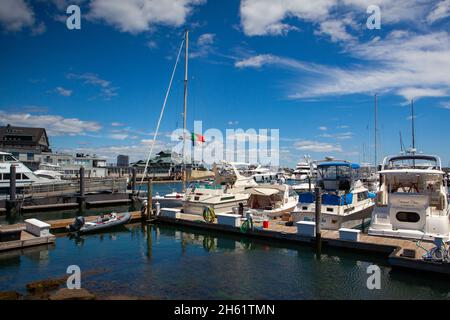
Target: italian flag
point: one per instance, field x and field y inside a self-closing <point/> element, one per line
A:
<point x="197" y="138"/>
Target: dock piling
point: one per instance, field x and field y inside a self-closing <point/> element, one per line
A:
<point x="12" y="182"/>
<point x="149" y="198"/>
<point x="81" y="198"/>
<point x="11" y="203"/>
<point x="318" y="212"/>
<point x="133" y="180"/>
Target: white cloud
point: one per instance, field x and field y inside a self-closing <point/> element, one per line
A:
<point x="107" y="91"/>
<point x="16" y="15"/>
<point x="405" y="63"/>
<point x="55" y="125"/>
<point x="338" y="136"/>
<point x="152" y="44"/>
<point x="336" y="29"/>
<point x="267" y="17"/>
<point x="63" y="92"/>
<point x="315" y="146"/>
<point x="117" y="124"/>
<point x="204" y="46"/>
<point x="118" y="136"/>
<point x="440" y="11"/>
<point x="323" y="128"/>
<point x="262" y="17"/>
<point x="137" y="16"/>
<point x="445" y="105"/>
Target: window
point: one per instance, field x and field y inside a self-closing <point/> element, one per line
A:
<point x="411" y="217"/>
<point x="363" y="196"/>
<point x="30" y="156"/>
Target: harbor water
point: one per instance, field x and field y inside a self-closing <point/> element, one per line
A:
<point x="167" y="262"/>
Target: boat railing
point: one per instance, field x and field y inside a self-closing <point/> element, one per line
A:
<point x="112" y="185"/>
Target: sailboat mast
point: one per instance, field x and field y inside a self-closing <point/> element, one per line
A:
<point x="376" y="129"/>
<point x="185" y="106"/>
<point x="412" y="125"/>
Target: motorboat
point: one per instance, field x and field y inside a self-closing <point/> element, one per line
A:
<point x="346" y="202"/>
<point x="263" y="175"/>
<point x="49" y="171"/>
<point x="24" y="176"/>
<point x="102" y="223"/>
<point x="412" y="201"/>
<point x="304" y="169"/>
<point x="226" y="192"/>
<point x="169" y="200"/>
<point x="271" y="201"/>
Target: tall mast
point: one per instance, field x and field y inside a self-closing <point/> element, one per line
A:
<point x="376" y="129"/>
<point x="412" y="125"/>
<point x="185" y="106"/>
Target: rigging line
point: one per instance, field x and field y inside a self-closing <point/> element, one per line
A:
<point x="162" y="112"/>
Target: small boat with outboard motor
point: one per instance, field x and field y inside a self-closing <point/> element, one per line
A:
<point x="103" y="222"/>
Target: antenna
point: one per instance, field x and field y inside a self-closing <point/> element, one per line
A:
<point x="376" y="129"/>
<point x="412" y="125"/>
<point x="185" y="106"/>
<point x="402" y="148"/>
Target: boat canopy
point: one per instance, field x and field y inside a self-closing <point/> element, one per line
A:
<point x="262" y="191"/>
<point x="339" y="164"/>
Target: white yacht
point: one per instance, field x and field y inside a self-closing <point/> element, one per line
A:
<point x="220" y="195"/>
<point x="271" y="201"/>
<point x="24" y="176"/>
<point x="345" y="200"/>
<point x="412" y="201"/>
<point x="49" y="171"/>
<point x="304" y="169"/>
<point x="304" y="175"/>
<point x="263" y="175"/>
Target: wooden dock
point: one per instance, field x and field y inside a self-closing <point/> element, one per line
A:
<point x="26" y="240"/>
<point x="393" y="248"/>
<point x="29" y="240"/>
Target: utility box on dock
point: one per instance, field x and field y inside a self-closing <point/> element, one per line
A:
<point x="349" y="234"/>
<point x="37" y="227"/>
<point x="170" y="213"/>
<point x="229" y="219"/>
<point x="306" y="228"/>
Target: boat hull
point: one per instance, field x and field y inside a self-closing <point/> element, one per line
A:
<point x="336" y="221"/>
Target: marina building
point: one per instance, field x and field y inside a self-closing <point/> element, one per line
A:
<point x="25" y="144"/>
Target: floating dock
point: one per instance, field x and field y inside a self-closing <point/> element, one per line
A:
<point x="26" y="239"/>
<point x="393" y="248"/>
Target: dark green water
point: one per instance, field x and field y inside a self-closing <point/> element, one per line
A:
<point x="161" y="188"/>
<point x="177" y="263"/>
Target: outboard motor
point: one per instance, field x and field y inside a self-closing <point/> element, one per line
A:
<point x="77" y="224"/>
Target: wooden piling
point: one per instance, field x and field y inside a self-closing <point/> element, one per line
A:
<point x="133" y="180"/>
<point x="11" y="203"/>
<point x="318" y="212"/>
<point x="12" y="182"/>
<point x="81" y="198"/>
<point x="149" y="198"/>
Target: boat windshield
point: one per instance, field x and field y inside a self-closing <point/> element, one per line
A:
<point x="412" y="162"/>
<point x="7" y="158"/>
<point x="334" y="172"/>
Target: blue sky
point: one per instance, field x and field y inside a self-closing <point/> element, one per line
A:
<point x="309" y="69"/>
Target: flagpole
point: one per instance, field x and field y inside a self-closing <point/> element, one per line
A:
<point x="185" y="107"/>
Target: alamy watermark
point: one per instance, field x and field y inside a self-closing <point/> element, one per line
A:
<point x="74" y="280"/>
<point x="374" y="280"/>
<point x="212" y="146"/>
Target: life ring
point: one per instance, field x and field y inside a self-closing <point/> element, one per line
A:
<point x="209" y="214"/>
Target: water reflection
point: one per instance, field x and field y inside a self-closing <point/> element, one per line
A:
<point x="182" y="263"/>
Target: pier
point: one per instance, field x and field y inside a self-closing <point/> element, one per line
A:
<point x="396" y="250"/>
